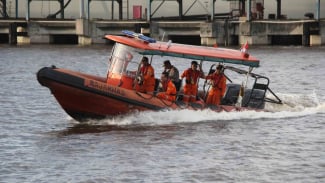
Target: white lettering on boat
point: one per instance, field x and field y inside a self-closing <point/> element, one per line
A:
<point x="103" y="87"/>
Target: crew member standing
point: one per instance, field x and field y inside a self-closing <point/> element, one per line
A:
<point x="169" y="89"/>
<point x="191" y="78"/>
<point x="173" y="73"/>
<point x="218" y="86"/>
<point x="146" y="78"/>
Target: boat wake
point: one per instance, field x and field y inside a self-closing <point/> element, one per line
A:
<point x="295" y="105"/>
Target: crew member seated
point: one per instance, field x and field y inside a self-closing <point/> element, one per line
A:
<point x="168" y="87"/>
<point x="173" y="73"/>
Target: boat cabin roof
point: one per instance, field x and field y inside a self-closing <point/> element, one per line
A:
<point x="212" y="54"/>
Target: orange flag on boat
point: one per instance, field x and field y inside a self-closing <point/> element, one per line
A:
<point x="244" y="49"/>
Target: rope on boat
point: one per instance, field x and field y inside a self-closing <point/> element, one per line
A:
<point x="152" y="96"/>
<point x="139" y="94"/>
<point x="168" y="105"/>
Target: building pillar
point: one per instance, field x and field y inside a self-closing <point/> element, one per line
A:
<point x="37" y="34"/>
<point x="208" y="32"/>
<point x="120" y="10"/>
<point x="248" y="10"/>
<point x="315" y="40"/>
<point x="81" y="10"/>
<point x="16" y="8"/>
<point x="208" y="41"/>
<point x="149" y="10"/>
<point x="317" y="9"/>
<point x="62" y="8"/>
<point x="212" y="5"/>
<point x="88" y="10"/>
<point x="242" y="8"/>
<point x="112" y="10"/>
<point x="322" y="31"/>
<point x="28" y="10"/>
<point x="278" y="9"/>
<point x="83" y="31"/>
<point x="4" y="9"/>
<point x="180" y="9"/>
<point x="84" y="40"/>
<point x="246" y="35"/>
<point x="13" y="33"/>
<point x="21" y="39"/>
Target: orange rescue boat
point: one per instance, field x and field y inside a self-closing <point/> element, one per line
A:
<point x="84" y="96"/>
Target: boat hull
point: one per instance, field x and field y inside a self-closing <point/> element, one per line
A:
<point x="86" y="97"/>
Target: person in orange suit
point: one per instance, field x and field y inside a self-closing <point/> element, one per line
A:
<point x="173" y="73"/>
<point x="192" y="76"/>
<point x="146" y="78"/>
<point x="168" y="87"/>
<point x="218" y="86"/>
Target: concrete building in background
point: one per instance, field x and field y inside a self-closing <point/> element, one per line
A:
<point x="205" y="22"/>
<point x="103" y="9"/>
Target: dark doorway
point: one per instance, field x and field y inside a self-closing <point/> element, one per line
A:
<point x="4" y="38"/>
<point x="286" y="40"/>
<point x="189" y="39"/>
<point x="63" y="39"/>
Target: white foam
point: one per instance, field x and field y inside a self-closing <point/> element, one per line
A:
<point x="294" y="102"/>
<point x="295" y="105"/>
<point x="151" y="118"/>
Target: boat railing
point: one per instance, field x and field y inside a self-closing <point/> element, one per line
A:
<point x="258" y="86"/>
<point x="256" y="96"/>
<point x="277" y="101"/>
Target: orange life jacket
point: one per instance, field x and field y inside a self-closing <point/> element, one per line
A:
<point x="191" y="76"/>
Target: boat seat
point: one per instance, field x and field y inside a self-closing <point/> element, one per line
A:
<point x="213" y="107"/>
<point x="179" y="96"/>
<point x="178" y="85"/>
<point x="196" y="105"/>
<point x="181" y="103"/>
<point x="157" y="81"/>
<point x="231" y="95"/>
<point x="254" y="98"/>
<point x="260" y="86"/>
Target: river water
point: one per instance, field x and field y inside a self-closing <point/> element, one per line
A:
<point x="39" y="142"/>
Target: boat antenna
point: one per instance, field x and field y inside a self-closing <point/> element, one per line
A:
<point x="162" y="39"/>
<point x="169" y="43"/>
<point x="247" y="75"/>
<point x="201" y="70"/>
<point x="240" y="96"/>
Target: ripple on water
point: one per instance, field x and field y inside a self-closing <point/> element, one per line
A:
<point x="40" y="143"/>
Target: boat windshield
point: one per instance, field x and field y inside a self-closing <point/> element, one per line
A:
<point x="123" y="59"/>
